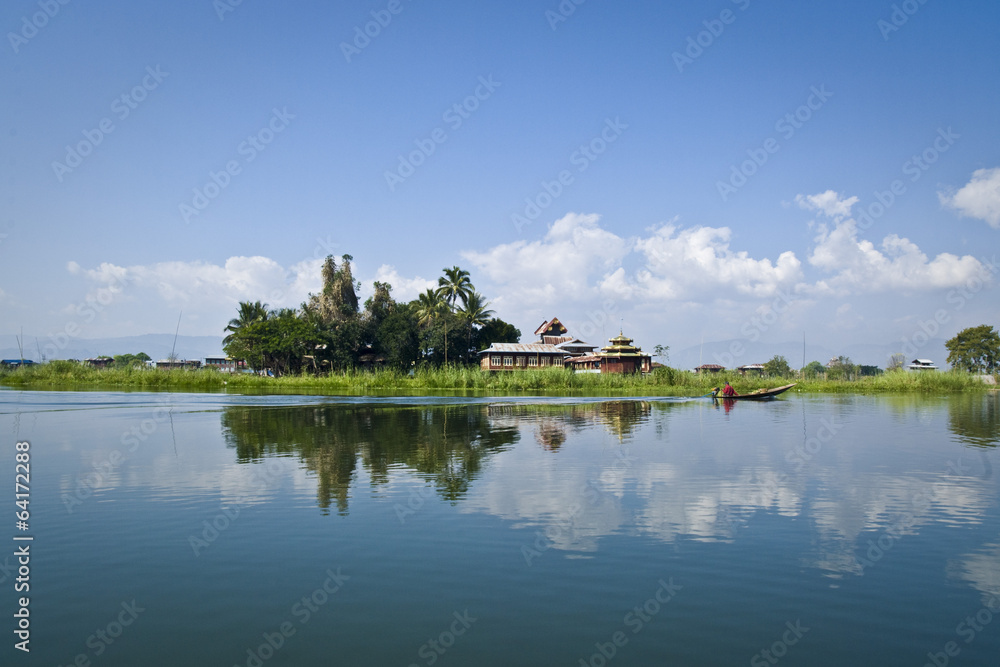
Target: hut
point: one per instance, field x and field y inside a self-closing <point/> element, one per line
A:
<point x="709" y="368"/>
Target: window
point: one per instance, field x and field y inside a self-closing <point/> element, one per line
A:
<point x="508" y="361"/>
<point x="532" y="361"/>
<point x="495" y="360"/>
<point x="546" y="361"/>
<point x="520" y="362"/>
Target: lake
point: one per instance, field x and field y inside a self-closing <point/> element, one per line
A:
<point x="214" y="529"/>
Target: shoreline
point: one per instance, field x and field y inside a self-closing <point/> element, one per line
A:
<point x="664" y="382"/>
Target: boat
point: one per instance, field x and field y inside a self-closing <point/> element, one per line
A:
<point x="758" y="395"/>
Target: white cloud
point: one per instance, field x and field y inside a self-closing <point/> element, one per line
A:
<point x="829" y="203"/>
<point x="898" y="265"/>
<point x="207" y="293"/>
<point x="682" y="263"/>
<point x="556" y="269"/>
<point x="979" y="198"/>
<point x="403" y="289"/>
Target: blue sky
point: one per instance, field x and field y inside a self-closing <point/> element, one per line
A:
<point x="690" y="170"/>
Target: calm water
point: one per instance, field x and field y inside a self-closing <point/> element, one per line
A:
<point x="199" y="529"/>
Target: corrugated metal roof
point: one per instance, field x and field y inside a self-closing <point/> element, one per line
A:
<point x="523" y="347"/>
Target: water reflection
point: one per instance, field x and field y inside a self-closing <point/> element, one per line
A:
<point x="593" y="470"/>
<point x="445" y="445"/>
<point x="975" y="419"/>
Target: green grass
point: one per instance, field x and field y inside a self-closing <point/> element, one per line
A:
<point x="664" y="382"/>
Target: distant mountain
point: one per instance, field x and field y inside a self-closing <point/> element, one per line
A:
<point x="869" y="354"/>
<point x="156" y="346"/>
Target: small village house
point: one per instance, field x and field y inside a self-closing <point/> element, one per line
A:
<point x="709" y="368"/>
<point x="922" y="365"/>
<point x="225" y="364"/>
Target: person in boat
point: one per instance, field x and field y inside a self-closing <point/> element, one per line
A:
<point x="728" y="391"/>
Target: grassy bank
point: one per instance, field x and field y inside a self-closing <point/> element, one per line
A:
<point x="665" y="382"/>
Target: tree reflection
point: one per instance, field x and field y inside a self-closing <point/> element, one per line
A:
<point x="975" y="419"/>
<point x="447" y="445"/>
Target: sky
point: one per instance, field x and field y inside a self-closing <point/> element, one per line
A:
<point x="683" y="171"/>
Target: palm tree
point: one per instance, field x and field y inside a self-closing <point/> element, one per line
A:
<point x="452" y="286"/>
<point x="430" y="307"/>
<point x="249" y="313"/>
<point x="475" y="313"/>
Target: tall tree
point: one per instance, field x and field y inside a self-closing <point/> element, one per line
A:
<point x="976" y="349"/>
<point x="248" y="313"/>
<point x="474" y="313"/>
<point x="430" y="308"/>
<point x="338" y="301"/>
<point x="455" y="284"/>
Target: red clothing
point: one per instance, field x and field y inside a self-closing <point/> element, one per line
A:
<point x="728" y="391"/>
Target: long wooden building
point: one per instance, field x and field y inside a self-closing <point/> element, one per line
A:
<point x="520" y="356"/>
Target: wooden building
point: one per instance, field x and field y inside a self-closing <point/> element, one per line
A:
<point x="226" y="364"/>
<point x="555" y="333"/>
<point x="621" y="356"/>
<point x="175" y="364"/>
<point x="710" y="368"/>
<point x="520" y="356"/>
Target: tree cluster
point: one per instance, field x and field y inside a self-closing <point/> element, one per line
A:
<point x="975" y="350"/>
<point x="330" y="331"/>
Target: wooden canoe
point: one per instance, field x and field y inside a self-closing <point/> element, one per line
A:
<point x="759" y="395"/>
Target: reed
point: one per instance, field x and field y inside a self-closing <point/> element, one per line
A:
<point x="662" y="382"/>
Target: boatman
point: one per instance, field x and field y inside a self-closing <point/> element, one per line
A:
<point x="728" y="391"/>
